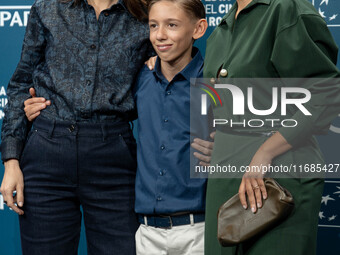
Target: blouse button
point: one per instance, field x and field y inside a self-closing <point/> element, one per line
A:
<point x="224" y="73"/>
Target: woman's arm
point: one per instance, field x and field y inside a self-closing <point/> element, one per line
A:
<point x="305" y="50"/>
<point x="15" y="125"/>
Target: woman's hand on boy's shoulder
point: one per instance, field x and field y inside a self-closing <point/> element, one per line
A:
<point x="151" y="62"/>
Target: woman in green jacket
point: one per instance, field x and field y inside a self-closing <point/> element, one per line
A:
<point x="272" y="39"/>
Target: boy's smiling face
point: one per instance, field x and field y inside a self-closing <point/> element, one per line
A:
<point x="171" y="32"/>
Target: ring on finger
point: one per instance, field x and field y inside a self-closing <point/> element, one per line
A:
<point x="256" y="187"/>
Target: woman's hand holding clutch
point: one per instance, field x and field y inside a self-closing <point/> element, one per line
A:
<point x="252" y="185"/>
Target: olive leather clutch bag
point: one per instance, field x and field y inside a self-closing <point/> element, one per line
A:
<point x="237" y="225"/>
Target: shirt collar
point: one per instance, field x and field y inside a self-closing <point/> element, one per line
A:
<point x="190" y="71"/>
<point x="230" y="16"/>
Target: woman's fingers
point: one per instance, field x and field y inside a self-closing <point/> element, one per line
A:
<point x="34" y="100"/>
<point x="242" y="194"/>
<point x="151" y="62"/>
<point x="13" y="183"/>
<point x="262" y="188"/>
<point x="250" y="195"/>
<point x="33" y="110"/>
<point x="204" y="149"/>
<point x="20" y="196"/>
<point x="32" y="92"/>
<point x="204" y="143"/>
<point x="203" y="146"/>
<point x="202" y="158"/>
<point x="33" y="106"/>
<point x="256" y="189"/>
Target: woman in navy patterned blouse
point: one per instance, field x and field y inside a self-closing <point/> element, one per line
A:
<point x="82" y="56"/>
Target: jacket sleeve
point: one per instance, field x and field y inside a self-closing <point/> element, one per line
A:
<point x="15" y="125"/>
<point x="307" y="50"/>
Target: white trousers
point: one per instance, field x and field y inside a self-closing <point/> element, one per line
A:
<point x="179" y="240"/>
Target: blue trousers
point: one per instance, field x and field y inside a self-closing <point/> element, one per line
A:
<point x="66" y="165"/>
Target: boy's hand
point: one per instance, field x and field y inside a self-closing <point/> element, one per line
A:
<point x="151" y="62"/>
<point x="34" y="105"/>
<point x="205" y="147"/>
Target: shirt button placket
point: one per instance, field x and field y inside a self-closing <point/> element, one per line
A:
<point x="89" y="79"/>
<point x="163" y="155"/>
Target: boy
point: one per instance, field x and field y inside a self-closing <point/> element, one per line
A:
<point x="169" y="204"/>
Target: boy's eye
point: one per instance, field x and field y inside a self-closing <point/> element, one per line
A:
<point x="152" y="25"/>
<point x="172" y="25"/>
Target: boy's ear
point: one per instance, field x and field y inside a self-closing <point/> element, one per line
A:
<point x="201" y="27"/>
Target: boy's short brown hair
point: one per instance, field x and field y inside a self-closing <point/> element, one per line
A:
<point x="193" y="7"/>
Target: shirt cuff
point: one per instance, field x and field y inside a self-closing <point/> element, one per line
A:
<point x="11" y="148"/>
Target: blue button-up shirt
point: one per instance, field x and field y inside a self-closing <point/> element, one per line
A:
<point x="83" y="65"/>
<point x="163" y="183"/>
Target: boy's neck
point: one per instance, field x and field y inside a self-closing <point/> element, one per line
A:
<point x="170" y="69"/>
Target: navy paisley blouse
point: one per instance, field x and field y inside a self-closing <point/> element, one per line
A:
<point x="85" y="66"/>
